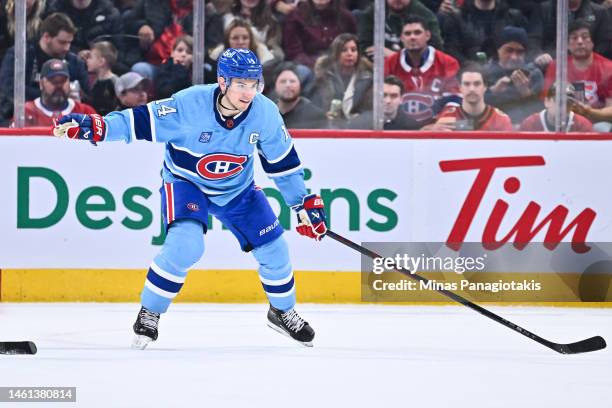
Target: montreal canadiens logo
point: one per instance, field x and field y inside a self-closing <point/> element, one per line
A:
<point x="218" y="166"/>
<point x="193" y="207"/>
<point x="418" y="106"/>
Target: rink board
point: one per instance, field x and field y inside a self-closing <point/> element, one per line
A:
<point x="87" y="218"/>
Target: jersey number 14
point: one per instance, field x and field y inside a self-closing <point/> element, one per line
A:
<point x="164" y="109"/>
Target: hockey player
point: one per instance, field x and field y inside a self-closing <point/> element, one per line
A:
<point x="211" y="133"/>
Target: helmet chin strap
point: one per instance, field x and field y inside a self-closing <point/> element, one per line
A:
<point x="232" y="108"/>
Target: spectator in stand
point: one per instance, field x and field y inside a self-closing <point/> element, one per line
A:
<point x="265" y="27"/>
<point x="428" y="74"/>
<point x="544" y="121"/>
<point x="34" y="11"/>
<point x="297" y="111"/>
<point x="239" y="34"/>
<point x="544" y="27"/>
<point x="396" y="13"/>
<point x="95" y="20"/>
<point x="586" y="70"/>
<point x="175" y="74"/>
<point x="476" y="26"/>
<point x="56" y="33"/>
<point x="131" y="90"/>
<point x="395" y="118"/>
<point x="54" y="100"/>
<point x="516" y="85"/>
<point x="310" y="29"/>
<point x="157" y="23"/>
<point x="473" y="113"/>
<point x="100" y="61"/>
<point x="343" y="81"/>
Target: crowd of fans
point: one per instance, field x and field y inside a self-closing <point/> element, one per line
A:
<point x="449" y="64"/>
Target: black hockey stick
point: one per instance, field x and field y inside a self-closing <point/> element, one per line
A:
<point x="582" y="346"/>
<point x="17" y="347"/>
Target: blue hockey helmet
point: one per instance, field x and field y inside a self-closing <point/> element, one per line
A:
<point x="240" y="63"/>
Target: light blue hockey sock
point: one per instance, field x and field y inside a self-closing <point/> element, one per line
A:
<point x="276" y="273"/>
<point x="183" y="247"/>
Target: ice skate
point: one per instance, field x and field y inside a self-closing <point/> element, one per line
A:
<point x="145" y="328"/>
<point x="291" y="324"/>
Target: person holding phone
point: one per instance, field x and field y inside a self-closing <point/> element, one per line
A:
<point x="544" y="121"/>
<point x="473" y="113"/>
<point x="515" y="83"/>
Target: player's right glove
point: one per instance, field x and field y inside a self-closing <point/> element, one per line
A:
<point x="79" y="126"/>
<point x="311" y="217"/>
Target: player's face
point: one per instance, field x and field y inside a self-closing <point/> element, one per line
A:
<point x="472" y="87"/>
<point x="55" y="90"/>
<point x="511" y="55"/>
<point x="580" y="43"/>
<point x="392" y="99"/>
<point x="241" y="92"/>
<point x="415" y="37"/>
<point x="58" y="46"/>
<point x="349" y="55"/>
<point x="287" y="86"/>
<point x="239" y="38"/>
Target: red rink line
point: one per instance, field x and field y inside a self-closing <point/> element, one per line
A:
<point x="389" y="134"/>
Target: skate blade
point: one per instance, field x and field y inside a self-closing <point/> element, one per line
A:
<point x="140" y="342"/>
<point x="281" y="331"/>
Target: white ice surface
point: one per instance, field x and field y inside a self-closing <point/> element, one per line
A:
<point x="364" y="356"/>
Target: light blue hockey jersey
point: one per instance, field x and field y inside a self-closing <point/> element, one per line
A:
<point x="214" y="153"/>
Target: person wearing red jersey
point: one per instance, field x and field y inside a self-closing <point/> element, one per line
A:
<point x="473" y="113"/>
<point x="428" y="74"/>
<point x="592" y="71"/>
<point x="544" y="121"/>
<point x="54" y="100"/>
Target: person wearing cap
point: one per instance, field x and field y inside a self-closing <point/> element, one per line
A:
<point x="55" y="36"/>
<point x="515" y="84"/>
<point x="131" y="90"/>
<point x="54" y="100"/>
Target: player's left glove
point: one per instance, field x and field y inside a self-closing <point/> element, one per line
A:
<point x="311" y="217"/>
<point x="79" y="126"/>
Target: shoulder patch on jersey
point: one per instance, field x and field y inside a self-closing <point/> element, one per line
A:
<point x="218" y="166"/>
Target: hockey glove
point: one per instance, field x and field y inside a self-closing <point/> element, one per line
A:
<point x="311" y="217"/>
<point x="79" y="126"/>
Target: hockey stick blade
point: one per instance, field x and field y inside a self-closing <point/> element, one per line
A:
<point x="582" y="346"/>
<point x="17" y="347"/>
